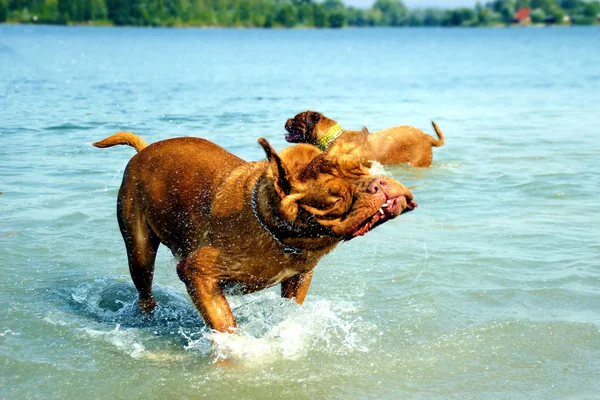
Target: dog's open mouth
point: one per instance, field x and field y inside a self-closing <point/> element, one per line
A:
<point x="293" y="136"/>
<point x="389" y="210"/>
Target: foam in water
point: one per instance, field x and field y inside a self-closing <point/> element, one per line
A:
<point x="377" y="168"/>
<point x="269" y="328"/>
<point x="273" y="329"/>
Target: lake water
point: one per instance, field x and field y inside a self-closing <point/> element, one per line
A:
<point x="490" y="289"/>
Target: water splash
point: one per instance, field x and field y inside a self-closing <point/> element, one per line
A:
<point x="272" y="329"/>
<point x="269" y="328"/>
<point x="377" y="168"/>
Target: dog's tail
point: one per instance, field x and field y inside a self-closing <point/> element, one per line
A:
<point x="437" y="142"/>
<point x="127" y="138"/>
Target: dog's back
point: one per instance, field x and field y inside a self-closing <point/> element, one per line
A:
<point x="410" y="134"/>
<point x="404" y="144"/>
<point x="175" y="177"/>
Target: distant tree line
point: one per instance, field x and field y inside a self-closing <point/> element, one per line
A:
<point x="288" y="13"/>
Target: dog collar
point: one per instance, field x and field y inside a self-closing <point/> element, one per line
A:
<point x="329" y="136"/>
<point x="285" y="249"/>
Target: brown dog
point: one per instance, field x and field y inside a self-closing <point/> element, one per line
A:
<point x="396" y="145"/>
<point x="247" y="225"/>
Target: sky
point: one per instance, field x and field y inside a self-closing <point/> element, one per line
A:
<point x="419" y="3"/>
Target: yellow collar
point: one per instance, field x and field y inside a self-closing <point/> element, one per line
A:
<point x="329" y="136"/>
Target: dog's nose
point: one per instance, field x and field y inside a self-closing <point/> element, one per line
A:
<point x="377" y="185"/>
<point x="288" y="123"/>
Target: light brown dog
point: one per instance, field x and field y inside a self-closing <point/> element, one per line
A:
<point x="396" y="145"/>
<point x="247" y="225"/>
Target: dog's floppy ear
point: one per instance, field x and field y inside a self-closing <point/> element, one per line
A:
<point x="289" y="206"/>
<point x="312" y="117"/>
<point x="280" y="172"/>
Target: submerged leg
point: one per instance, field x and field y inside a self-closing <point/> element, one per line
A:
<point x="205" y="291"/>
<point x="142" y="244"/>
<point x="296" y="287"/>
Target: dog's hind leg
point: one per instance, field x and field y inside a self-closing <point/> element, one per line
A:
<point x="142" y="245"/>
<point x="424" y="158"/>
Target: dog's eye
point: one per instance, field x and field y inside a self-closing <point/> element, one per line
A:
<point x="335" y="199"/>
<point x="336" y="195"/>
<point x="335" y="191"/>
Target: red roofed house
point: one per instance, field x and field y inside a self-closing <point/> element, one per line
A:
<point x="523" y="16"/>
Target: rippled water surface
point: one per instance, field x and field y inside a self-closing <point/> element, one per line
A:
<point x="490" y="289"/>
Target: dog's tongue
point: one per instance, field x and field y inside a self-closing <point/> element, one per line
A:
<point x="292" y="137"/>
<point x="366" y="227"/>
<point x="369" y="223"/>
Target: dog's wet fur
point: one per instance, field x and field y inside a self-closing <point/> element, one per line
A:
<point x="248" y="224"/>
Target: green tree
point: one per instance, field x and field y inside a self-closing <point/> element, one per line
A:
<point x="468" y="16"/>
<point x="3" y="10"/>
<point x="393" y="12"/>
<point x="285" y="16"/>
<point x="333" y="5"/>
<point x="356" y="17"/>
<point x="571" y="4"/>
<point x="304" y="14"/>
<point x="244" y="12"/>
<point x="545" y="5"/>
<point x="508" y="14"/>
<point x="373" y="17"/>
<point x="263" y="14"/>
<point x="433" y="17"/>
<point x="416" y="18"/>
<point x="557" y="14"/>
<point x="336" y="19"/>
<point x="118" y="11"/>
<point x="49" y="13"/>
<point x="485" y="17"/>
<point x="98" y="10"/>
<point x="460" y="17"/>
<point x="499" y="5"/>
<point x="64" y="8"/>
<point x="336" y="13"/>
<point x="319" y="16"/>
<point x="537" y="16"/>
<point x="591" y="9"/>
<point x="220" y="7"/>
<point x="522" y="4"/>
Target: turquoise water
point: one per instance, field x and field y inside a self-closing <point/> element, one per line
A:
<point x="490" y="289"/>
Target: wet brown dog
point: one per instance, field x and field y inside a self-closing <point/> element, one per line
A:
<point x="396" y="145"/>
<point x="245" y="224"/>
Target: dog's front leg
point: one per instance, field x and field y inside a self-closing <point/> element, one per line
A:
<point x="211" y="302"/>
<point x="205" y="291"/>
<point x="296" y="287"/>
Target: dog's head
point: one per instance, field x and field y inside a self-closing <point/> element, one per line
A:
<point x="301" y="128"/>
<point x="334" y="189"/>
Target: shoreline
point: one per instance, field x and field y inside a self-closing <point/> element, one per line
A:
<point x="186" y="26"/>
